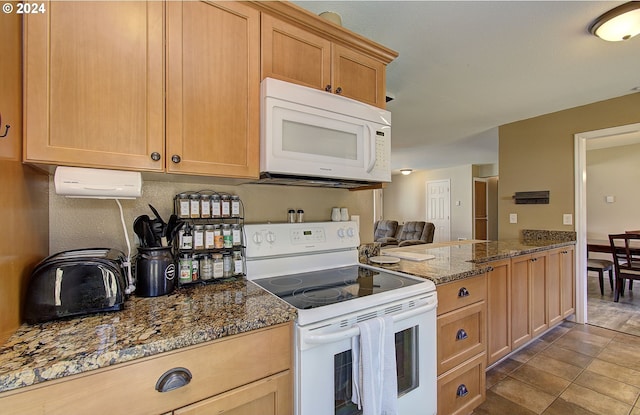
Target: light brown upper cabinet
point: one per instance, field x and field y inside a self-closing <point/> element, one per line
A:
<point x="93" y="79"/>
<point x="213" y="89"/>
<point x="294" y="53"/>
<point x="95" y="86"/>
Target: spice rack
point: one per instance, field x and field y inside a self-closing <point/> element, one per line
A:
<point x="210" y="244"/>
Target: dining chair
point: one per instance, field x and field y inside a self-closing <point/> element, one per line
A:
<point x="601" y="266"/>
<point x="631" y="281"/>
<point x="626" y="258"/>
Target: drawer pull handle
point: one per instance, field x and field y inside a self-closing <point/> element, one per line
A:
<point x="461" y="335"/>
<point x="173" y="379"/>
<point x="462" y="391"/>
<point x="463" y="292"/>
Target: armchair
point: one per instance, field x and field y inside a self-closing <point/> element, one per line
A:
<point x="414" y="233"/>
<point x="384" y="232"/>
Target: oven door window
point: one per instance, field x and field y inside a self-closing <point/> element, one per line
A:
<point x="406" y="366"/>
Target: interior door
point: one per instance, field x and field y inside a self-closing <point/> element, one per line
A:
<point x="480" y="209"/>
<point x="439" y="208"/>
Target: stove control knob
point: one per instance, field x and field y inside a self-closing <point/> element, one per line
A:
<point x="270" y="237"/>
<point x="257" y="238"/>
<point x="351" y="233"/>
<point x="341" y="233"/>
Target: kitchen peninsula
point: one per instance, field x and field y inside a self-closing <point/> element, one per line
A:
<point x="493" y="298"/>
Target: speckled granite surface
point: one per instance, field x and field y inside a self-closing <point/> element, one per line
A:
<point x="147" y="326"/>
<point x="457" y="260"/>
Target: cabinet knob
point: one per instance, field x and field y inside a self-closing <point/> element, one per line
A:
<point x="462" y="391"/>
<point x="155" y="156"/>
<point x="327" y="88"/>
<point x="463" y="292"/>
<point x="338" y="90"/>
<point x="173" y="379"/>
<point x="176" y="158"/>
<point x="461" y="335"/>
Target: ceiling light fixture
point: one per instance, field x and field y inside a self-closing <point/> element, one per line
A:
<point x="620" y="23"/>
<point x="406" y="172"/>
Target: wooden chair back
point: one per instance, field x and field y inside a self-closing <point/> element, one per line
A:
<point x="626" y="255"/>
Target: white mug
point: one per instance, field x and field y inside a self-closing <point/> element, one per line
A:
<point x="344" y="214"/>
<point x="335" y="214"/>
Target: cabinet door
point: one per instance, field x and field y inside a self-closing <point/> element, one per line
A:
<point x="358" y="76"/>
<point x="498" y="311"/>
<point x="554" y="287"/>
<point x="520" y="317"/>
<point x="94" y="84"/>
<point x="295" y="55"/>
<point x="538" y="290"/>
<point x="213" y="89"/>
<point x="568" y="281"/>
<point x="270" y="396"/>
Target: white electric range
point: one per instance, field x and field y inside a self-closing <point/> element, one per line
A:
<point x="314" y="267"/>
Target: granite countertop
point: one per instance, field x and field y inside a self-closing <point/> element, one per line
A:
<point x="146" y="327"/>
<point x="462" y="259"/>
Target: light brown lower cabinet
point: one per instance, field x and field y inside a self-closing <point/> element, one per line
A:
<point x="462" y="342"/>
<point x="243" y="374"/>
<point x="526" y="296"/>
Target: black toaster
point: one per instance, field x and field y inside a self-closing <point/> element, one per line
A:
<point x="75" y="283"/>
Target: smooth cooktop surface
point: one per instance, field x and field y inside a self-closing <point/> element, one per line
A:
<point x="319" y="288"/>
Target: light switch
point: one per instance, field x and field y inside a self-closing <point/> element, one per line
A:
<point x="513" y="218"/>
<point x="567" y="219"/>
<point x="610" y="199"/>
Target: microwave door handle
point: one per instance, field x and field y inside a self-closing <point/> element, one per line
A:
<point x="372" y="149"/>
<point x="354" y="330"/>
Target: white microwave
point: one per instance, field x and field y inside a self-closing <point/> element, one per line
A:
<point x="322" y="138"/>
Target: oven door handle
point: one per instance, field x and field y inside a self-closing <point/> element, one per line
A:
<point x="354" y="330"/>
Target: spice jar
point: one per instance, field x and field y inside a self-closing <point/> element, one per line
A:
<point x="215" y="206"/>
<point x="227" y="237"/>
<point x="218" y="267"/>
<point x="236" y="234"/>
<point x="225" y="206"/>
<point x="218" y="241"/>
<point x="186" y="239"/>
<point x="206" y="268"/>
<point x="238" y="268"/>
<point x="205" y="206"/>
<point x="227" y="266"/>
<point x="198" y="237"/>
<point x="291" y="216"/>
<point x="208" y="237"/>
<point x="194" y="204"/>
<point x="195" y="268"/>
<point x="185" y="269"/>
<point x="184" y="211"/>
<point x="235" y="206"/>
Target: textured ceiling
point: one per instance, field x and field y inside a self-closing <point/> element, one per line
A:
<point x="467" y="67"/>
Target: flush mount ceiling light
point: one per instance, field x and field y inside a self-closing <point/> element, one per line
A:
<point x="620" y="23"/>
<point x="406" y="172"/>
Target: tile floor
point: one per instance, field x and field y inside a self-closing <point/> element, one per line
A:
<point x="575" y="369"/>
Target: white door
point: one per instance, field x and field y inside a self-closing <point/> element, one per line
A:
<point x="439" y="209"/>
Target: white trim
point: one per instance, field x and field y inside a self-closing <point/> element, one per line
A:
<point x="580" y="157"/>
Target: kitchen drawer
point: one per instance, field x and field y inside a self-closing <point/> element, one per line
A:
<point x="461" y="335"/>
<point x="216" y="367"/>
<point x="462" y="389"/>
<point x="461" y="293"/>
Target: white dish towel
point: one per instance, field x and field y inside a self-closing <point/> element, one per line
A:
<point x="375" y="383"/>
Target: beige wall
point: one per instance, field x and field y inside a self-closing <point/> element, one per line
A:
<point x="405" y="198"/>
<point x="81" y="223"/>
<point x="537" y="154"/>
<point x="614" y="172"/>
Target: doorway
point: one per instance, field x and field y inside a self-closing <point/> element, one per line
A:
<point x="580" y="155"/>
<point x="439" y="208"/>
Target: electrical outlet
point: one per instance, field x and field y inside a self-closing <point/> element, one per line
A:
<point x="567" y="219"/>
<point x="513" y="218"/>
